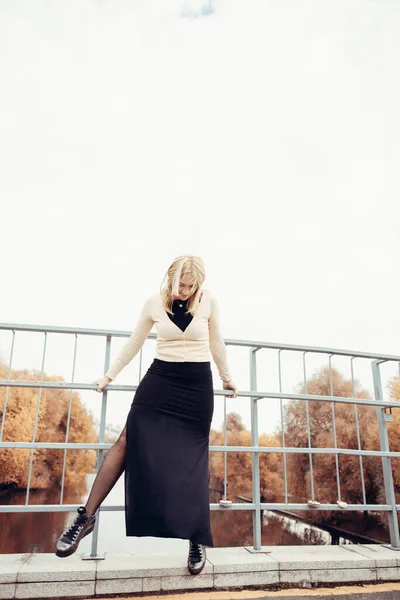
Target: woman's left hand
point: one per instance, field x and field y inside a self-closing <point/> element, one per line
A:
<point x="229" y="385"/>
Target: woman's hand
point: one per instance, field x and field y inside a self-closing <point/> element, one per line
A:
<point x="229" y="385"/>
<point x="101" y="383"/>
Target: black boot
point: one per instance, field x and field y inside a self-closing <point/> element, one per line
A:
<point x="196" y="558"/>
<point x="68" y="542"/>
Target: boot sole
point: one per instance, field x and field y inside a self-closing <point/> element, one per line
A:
<point x="198" y="571"/>
<point x="73" y="549"/>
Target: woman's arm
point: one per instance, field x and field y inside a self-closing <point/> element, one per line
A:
<point x="132" y="346"/>
<point x="217" y="344"/>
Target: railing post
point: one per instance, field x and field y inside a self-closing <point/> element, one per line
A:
<point x="94" y="554"/>
<point x="386" y="460"/>
<point x="255" y="458"/>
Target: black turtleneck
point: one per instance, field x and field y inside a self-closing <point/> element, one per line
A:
<point x="182" y="320"/>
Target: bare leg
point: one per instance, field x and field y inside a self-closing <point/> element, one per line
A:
<point x="110" y="471"/>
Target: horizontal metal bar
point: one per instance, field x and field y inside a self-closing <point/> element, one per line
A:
<point x="56" y="445"/>
<point x="31" y="508"/>
<point x="247" y="343"/>
<point x="63" y="385"/>
<point x="313" y="349"/>
<point x="288" y="450"/>
<point x="246" y="394"/>
<point x="255" y="449"/>
<point x="357" y="507"/>
<point x="69" y="330"/>
<point x="36" y="508"/>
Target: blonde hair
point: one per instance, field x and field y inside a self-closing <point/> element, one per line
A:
<point x="188" y="263"/>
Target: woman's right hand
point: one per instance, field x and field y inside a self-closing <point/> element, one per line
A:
<point x="101" y="383"/>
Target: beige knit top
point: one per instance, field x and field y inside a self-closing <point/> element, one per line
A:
<point x="201" y="336"/>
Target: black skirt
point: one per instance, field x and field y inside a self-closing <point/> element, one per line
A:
<point x="167" y="460"/>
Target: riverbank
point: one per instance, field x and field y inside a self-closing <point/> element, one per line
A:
<point x="362" y="528"/>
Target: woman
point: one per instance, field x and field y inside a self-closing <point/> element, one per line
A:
<point x="163" y="447"/>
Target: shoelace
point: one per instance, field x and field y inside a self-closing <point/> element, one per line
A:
<point x="73" y="531"/>
<point x="196" y="552"/>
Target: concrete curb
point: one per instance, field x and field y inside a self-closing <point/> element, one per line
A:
<point x="37" y="576"/>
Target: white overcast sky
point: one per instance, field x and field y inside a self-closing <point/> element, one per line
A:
<point x="264" y="137"/>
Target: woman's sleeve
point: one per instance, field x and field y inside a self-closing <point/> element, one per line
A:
<point x="132" y="346"/>
<point x="217" y="344"/>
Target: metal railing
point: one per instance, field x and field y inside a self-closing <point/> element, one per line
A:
<point x="256" y="506"/>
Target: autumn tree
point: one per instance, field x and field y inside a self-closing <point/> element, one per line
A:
<point x="322" y="415"/>
<point x="322" y="435"/>
<point x="19" y="423"/>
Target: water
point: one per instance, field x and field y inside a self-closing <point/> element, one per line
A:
<point x="38" y="532"/>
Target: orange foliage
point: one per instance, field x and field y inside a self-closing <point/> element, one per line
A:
<point x="239" y="463"/>
<point x="322" y="435"/>
<point x="19" y="423"/>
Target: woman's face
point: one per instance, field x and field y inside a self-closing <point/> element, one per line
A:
<point x="185" y="286"/>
